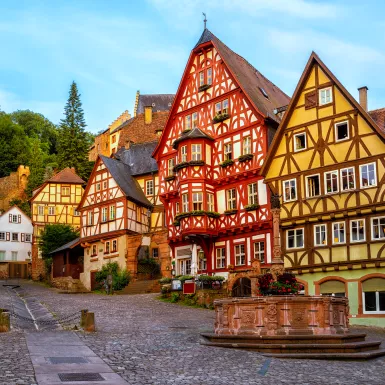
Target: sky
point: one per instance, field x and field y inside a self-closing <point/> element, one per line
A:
<point x="112" y="48"/>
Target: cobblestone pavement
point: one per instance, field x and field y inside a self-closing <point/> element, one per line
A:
<point x="147" y="341"/>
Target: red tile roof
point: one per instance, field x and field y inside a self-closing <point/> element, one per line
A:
<point x="379" y="117"/>
<point x="67" y="175"/>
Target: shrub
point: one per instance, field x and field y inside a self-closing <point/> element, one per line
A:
<point x="165" y="280"/>
<point x="174" y="297"/>
<point x="183" y="278"/>
<point x="120" y="278"/>
<point x="210" y="278"/>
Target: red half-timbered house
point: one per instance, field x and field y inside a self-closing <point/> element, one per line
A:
<point x="215" y="141"/>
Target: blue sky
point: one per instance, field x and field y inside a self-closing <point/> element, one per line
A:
<point x="112" y="48"/>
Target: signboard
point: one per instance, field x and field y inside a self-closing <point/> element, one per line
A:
<point x="176" y="284"/>
<point x="189" y="288"/>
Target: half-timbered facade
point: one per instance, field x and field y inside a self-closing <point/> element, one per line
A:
<point x="209" y="157"/>
<point x="327" y="163"/>
<point x="55" y="201"/>
<point x="120" y="212"/>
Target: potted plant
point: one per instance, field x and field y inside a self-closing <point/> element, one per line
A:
<point x="245" y="157"/>
<point x="220" y="117"/>
<point x="252" y="207"/>
<point x="227" y="163"/>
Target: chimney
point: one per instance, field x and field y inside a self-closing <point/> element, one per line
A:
<point x="363" y="96"/>
<point x="148" y="115"/>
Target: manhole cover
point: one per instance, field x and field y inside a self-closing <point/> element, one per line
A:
<point x="69" y="377"/>
<point x="66" y="360"/>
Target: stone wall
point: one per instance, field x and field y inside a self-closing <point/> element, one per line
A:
<point x="38" y="271"/>
<point x="68" y="284"/>
<point x="4" y="270"/>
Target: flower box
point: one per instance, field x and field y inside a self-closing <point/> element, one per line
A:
<point x="196" y="163"/>
<point x="204" y="87"/>
<point x="230" y="212"/>
<point x="245" y="158"/>
<point x="169" y="178"/>
<point x="251" y="207"/>
<point x="180" y="166"/>
<point x="213" y="214"/>
<point x="227" y="163"/>
<point x="220" y="118"/>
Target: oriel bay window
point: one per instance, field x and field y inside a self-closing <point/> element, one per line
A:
<point x="320" y="235"/>
<point x="339" y="233"/>
<point x="231" y="199"/>
<point x="228" y="151"/>
<point x="368" y="176"/>
<point x="170" y="166"/>
<point x="196" y="152"/>
<point x="253" y="193"/>
<point x="295" y="238"/>
<point x="221" y="258"/>
<point x="240" y="256"/>
<point x="246" y="145"/>
<point x="357" y="230"/>
<point x="331" y="182"/>
<point x="197" y="199"/>
<point x="183" y="154"/>
<point x="185" y="203"/>
<point x="347" y="179"/>
<point x="378" y="228"/>
<point x="373" y="296"/>
<point x="313" y="187"/>
<point x="289" y="190"/>
<point x="259" y="251"/>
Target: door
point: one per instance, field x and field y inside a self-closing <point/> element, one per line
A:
<point x="242" y="288"/>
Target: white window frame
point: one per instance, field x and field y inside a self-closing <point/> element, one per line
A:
<point x="185" y="203"/>
<point x="377" y="304"/>
<point x="14" y="219"/>
<point x="17" y="237"/>
<point x="196" y="151"/>
<point x="246" y="145"/>
<point x="351" y="230"/>
<point x="228" y="151"/>
<point x="375" y="174"/>
<point x="338" y="224"/>
<point x="202" y="261"/>
<point x="2" y="235"/>
<point x="40" y="210"/>
<point x="295" y="238"/>
<point x="252" y="192"/>
<point x="259" y="252"/>
<point x="334" y="172"/>
<point x="209" y="77"/>
<point x="284" y="190"/>
<point x="170" y="166"/>
<point x="320" y="95"/>
<point x="187" y="122"/>
<point x="112" y="212"/>
<point x="197" y="201"/>
<point x="64" y="189"/>
<point x="90" y="218"/>
<point x="28" y="237"/>
<point x="231" y="199"/>
<point x="372" y="228"/>
<point x="104" y="214"/>
<point x="322" y="229"/>
<point x="51" y="210"/>
<point x="201" y="78"/>
<point x="194" y="119"/>
<point x="307" y="185"/>
<point x="76" y="213"/>
<point x="336" y="130"/>
<point x="220" y="256"/>
<point x="184" y="266"/>
<point x="341" y="178"/>
<point x="210" y="202"/>
<point x="183" y="154"/>
<point x="149" y="187"/>
<point x="240" y="254"/>
<point x="295" y="142"/>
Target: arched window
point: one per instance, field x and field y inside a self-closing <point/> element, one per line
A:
<point x="333" y="287"/>
<point x="373" y="296"/>
<point x="242" y="288"/>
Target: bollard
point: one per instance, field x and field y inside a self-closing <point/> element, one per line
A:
<point x="83" y="317"/>
<point x="5" y="323"/>
<point x="89" y="322"/>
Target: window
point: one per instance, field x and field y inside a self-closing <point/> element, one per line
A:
<point x="15" y="237"/>
<point x="14" y="255"/>
<point x="94" y="250"/>
<point x="113" y="138"/>
<point x="341" y="131"/>
<point x="210" y="202"/>
<point x="246" y="145"/>
<point x="107" y="247"/>
<point x="187" y="122"/>
<point x="2" y="236"/>
<point x="331" y="182"/>
<point x="197" y="199"/>
<point x="201" y="78"/>
<point x="13" y="218"/>
<point x="104" y="214"/>
<point x="373" y="296"/>
<point x="378" y="228"/>
<point x="259" y="251"/>
<point x="222" y="107"/>
<point x="2" y="255"/>
<point x="105" y="184"/>
<point x="185" y="266"/>
<point x="196" y="152"/>
<point x="347" y="179"/>
<point x="289" y="190"/>
<point x="325" y="96"/>
<point x="357" y="230"/>
<point x="76" y="213"/>
<point x="320" y="235"/>
<point x="253" y="193"/>
<point x="231" y="199"/>
<point x="240" y="257"/>
<point x="98" y="186"/>
<point x="368" y="176"/>
<point x="209" y="76"/>
<point x="202" y="260"/>
<point x="66" y="190"/>
<point x="40" y="210"/>
<point x="28" y="237"/>
<point x="170" y="166"/>
<point x="114" y="245"/>
<point x="183" y="154"/>
<point x="149" y="187"/>
<point x="221" y="258"/>
<point x="155" y="252"/>
<point x="51" y="210"/>
<point x="185" y="203"/>
<point x="313" y="188"/>
<point x="228" y="151"/>
<point x="338" y="233"/>
<point x="90" y="218"/>
<point x="195" y="120"/>
<point x="206" y="77"/>
<point x="177" y="210"/>
<point x="112" y="212"/>
<point x="295" y="238"/>
<point x="300" y="142"/>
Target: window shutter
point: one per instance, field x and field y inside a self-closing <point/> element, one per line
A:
<point x="19" y="218"/>
<point x="310" y="100"/>
<point x="22" y="237"/>
<point x="8" y="236"/>
<point x="10" y="218"/>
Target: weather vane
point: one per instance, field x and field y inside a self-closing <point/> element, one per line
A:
<point x="205" y="20"/>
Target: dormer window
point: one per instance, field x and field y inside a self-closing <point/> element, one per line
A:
<point x="228" y="151"/>
<point x="341" y="131"/>
<point x="325" y="96"/>
<point x="196" y="152"/>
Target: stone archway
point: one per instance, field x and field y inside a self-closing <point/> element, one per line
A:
<point x="241" y="287"/>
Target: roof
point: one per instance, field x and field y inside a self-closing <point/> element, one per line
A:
<point x="69" y="245"/>
<point x="158" y="102"/>
<point x="138" y="158"/>
<point x="195" y="133"/>
<point x="67" y="175"/>
<point x="121" y="172"/>
<point x="14" y="207"/>
<point x="379" y="117"/>
<point x="314" y="58"/>
<point x="249" y="78"/>
<point x="124" y="124"/>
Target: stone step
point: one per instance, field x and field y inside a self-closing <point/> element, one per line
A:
<point x="331" y="356"/>
<point x="141" y="287"/>
<point x="355" y="347"/>
<point x="286" y="339"/>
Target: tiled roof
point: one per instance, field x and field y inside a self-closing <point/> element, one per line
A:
<point x="379" y="117"/>
<point x="68" y="245"/>
<point x="195" y="133"/>
<point x="158" y="102"/>
<point x="121" y="173"/>
<point x="263" y="93"/>
<point x="66" y="175"/>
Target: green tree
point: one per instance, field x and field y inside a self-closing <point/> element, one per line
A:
<point x="36" y="167"/>
<point x="73" y="141"/>
<point x="23" y="205"/>
<point x="52" y="237"/>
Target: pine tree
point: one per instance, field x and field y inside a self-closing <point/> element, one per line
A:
<point x="73" y="143"/>
<point x="36" y="177"/>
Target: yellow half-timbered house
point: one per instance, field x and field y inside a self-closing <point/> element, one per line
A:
<point x="55" y="201"/>
<point x="327" y="162"/>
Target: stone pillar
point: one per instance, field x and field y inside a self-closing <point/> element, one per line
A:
<point x="194" y="260"/>
<point x="277" y="264"/>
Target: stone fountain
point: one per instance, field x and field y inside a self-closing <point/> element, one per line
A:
<point x="288" y="326"/>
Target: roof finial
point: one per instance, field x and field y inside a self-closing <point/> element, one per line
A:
<point x="205" y="20"/>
